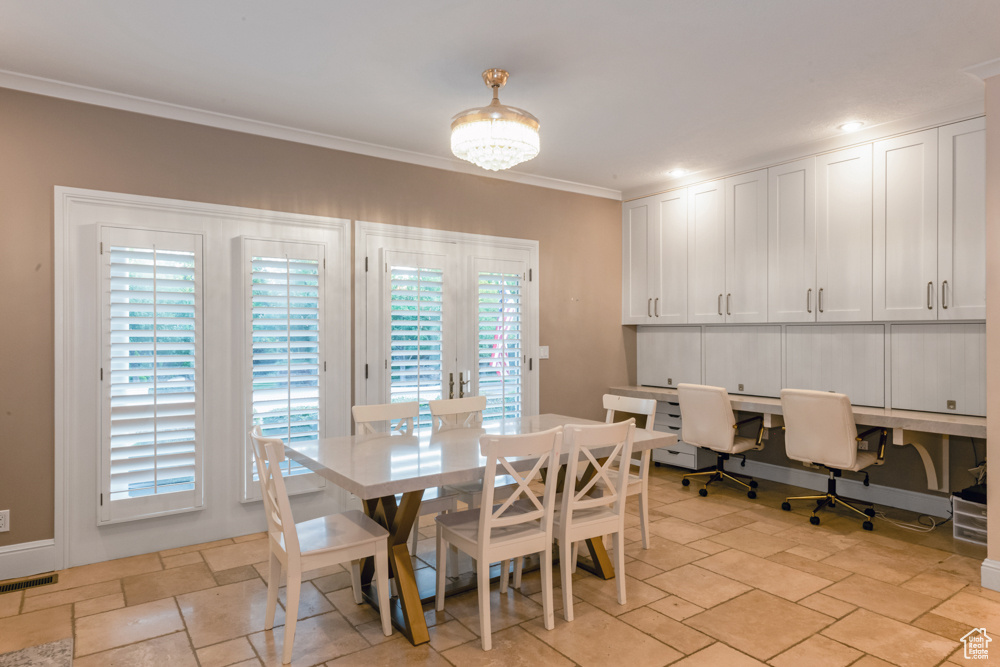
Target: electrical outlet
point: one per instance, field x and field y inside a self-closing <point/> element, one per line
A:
<point x="863" y="445"/>
<point x="951" y="405"/>
<point x="4" y="521"/>
<point x="741" y="388"/>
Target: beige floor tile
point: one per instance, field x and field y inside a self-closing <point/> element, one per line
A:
<point x="939" y="625"/>
<point x="511" y="647"/>
<point x="356" y="614"/>
<point x="813" y="567"/>
<point x="398" y="653"/>
<point x="890" y="640"/>
<point x="226" y="653"/>
<point x="759" y="624"/>
<point x="317" y="639"/>
<point x="194" y="547"/>
<point x="311" y="601"/>
<point x="333" y="582"/>
<point x="234" y="555"/>
<point x="603" y="593"/>
<point x="40" y="627"/>
<point x="752" y="541"/>
<point x="506" y="610"/>
<point x="811" y="553"/>
<point x="697" y="585"/>
<point x="773" y="516"/>
<point x="719" y="655"/>
<point x="10" y="603"/>
<point x="252" y="662"/>
<point x="250" y="537"/>
<point x="664" y="554"/>
<point x="372" y="632"/>
<point x="679" y="530"/>
<point x="189" y="558"/>
<point x="174" y="650"/>
<point x="976" y="611"/>
<point x="235" y="575"/>
<point x="764" y="574"/>
<point x="727" y="522"/>
<point x="707" y="546"/>
<point x="871" y="661"/>
<point x="817" y="651"/>
<point x="675" y="607"/>
<point x="965" y="568"/>
<point x="119" y="627"/>
<point x="218" y="614"/>
<point x="641" y="570"/>
<point x="935" y="583"/>
<point x="817" y="538"/>
<point x="597" y="638"/>
<point x="697" y="510"/>
<point x="451" y="634"/>
<point x="893" y="566"/>
<point x="882" y="598"/>
<point x="667" y="630"/>
<point x="98" y="572"/>
<point x="70" y="596"/>
<point x="142" y="588"/>
<point x="825" y="604"/>
<point x="98" y="605"/>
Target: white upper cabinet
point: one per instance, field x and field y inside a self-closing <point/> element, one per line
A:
<point x="654" y="259"/>
<point x="844" y="235"/>
<point x="791" y="233"/>
<point x="670" y="295"/>
<point x="962" y="221"/>
<point x="746" y="247"/>
<point x="707" y="252"/>
<point x="905" y="227"/>
<point x="637" y="301"/>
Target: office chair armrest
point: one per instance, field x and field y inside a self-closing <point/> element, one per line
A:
<point x="748" y="420"/>
<point x="883" y="436"/>
<point x="760" y="429"/>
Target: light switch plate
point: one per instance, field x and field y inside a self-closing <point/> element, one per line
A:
<point x="4" y="521"/>
<point x="543" y="352"/>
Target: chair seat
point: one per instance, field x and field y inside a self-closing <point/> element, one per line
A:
<point x="582" y="517"/>
<point x="740" y="445"/>
<point x="465" y="524"/>
<point x="863" y="460"/>
<point x="336" y="531"/>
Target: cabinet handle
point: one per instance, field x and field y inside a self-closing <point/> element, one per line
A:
<point x="649" y="308"/>
<point x="930" y="296"/>
<point x="656" y="306"/>
<point x="809" y="300"/>
<point x="728" y="297"/>
<point x="819" y="300"/>
<point x="944" y="295"/>
<point x="720" y="305"/>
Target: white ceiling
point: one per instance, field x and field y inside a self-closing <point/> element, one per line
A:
<point x="624" y="90"/>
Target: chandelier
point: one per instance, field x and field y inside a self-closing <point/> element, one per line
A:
<point x="497" y="136"/>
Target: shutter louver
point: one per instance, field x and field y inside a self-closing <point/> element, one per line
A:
<point x="285" y="355"/>
<point x="416" y="309"/>
<point x="152" y="387"/>
<point x="499" y="338"/>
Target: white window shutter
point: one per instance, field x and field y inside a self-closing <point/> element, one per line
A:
<point x="500" y="337"/>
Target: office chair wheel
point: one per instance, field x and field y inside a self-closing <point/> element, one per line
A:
<point x="685" y="482"/>
<point x="870" y="512"/>
<point x="814" y="520"/>
<point x="786" y="506"/>
<point x="702" y="492"/>
<point x="753" y="484"/>
<point x="867" y="525"/>
<point x="751" y="494"/>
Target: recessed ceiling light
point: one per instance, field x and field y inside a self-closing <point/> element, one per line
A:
<point x="852" y="126"/>
<point x="676" y="172"/>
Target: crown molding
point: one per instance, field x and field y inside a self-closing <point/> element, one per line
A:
<point x="149" y="107"/>
<point x="985" y="70"/>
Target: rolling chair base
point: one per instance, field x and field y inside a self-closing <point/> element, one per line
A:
<point x="831" y="499"/>
<point x="719" y="474"/>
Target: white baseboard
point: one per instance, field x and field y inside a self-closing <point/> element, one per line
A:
<point x="923" y="503"/>
<point x="27" y="558"/>
<point x="989" y="575"/>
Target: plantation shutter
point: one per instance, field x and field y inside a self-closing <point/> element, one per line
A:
<point x="151" y="372"/>
<point x="285" y="346"/>
<point x="500" y="338"/>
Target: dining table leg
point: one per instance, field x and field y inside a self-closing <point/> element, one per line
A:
<point x="406" y="610"/>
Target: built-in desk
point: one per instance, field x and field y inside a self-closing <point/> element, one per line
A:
<point x="927" y="432"/>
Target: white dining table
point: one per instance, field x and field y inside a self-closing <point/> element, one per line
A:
<point x="378" y="467"/>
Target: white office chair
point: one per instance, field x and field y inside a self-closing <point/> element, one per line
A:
<point x="582" y="515"/>
<point x="638" y="468"/>
<point x="820" y="430"/>
<point x="707" y="421"/>
<point x="310" y="545"/>
<point x="519" y="526"/>
<point x="435" y="500"/>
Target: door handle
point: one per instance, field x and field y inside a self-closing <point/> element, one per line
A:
<point x="944" y="295"/>
<point x="930" y="296"/>
<point x="728" y="298"/>
<point x="720" y="305"/>
<point x="649" y="308"/>
<point x="656" y="307"/>
<point x="451" y="385"/>
<point x="819" y="300"/>
<point x="462" y="383"/>
<point x="809" y="297"/>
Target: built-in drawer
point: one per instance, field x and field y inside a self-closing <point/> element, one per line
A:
<point x="666" y="422"/>
<point x="675" y="458"/>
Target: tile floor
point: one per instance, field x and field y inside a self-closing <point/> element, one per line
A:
<point x="728" y="581"/>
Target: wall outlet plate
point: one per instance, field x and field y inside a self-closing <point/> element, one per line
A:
<point x="952" y="405"/>
<point x="4" y="521"/>
<point x="741" y="388"/>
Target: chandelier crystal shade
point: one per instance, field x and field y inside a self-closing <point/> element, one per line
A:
<point x="496" y="136"/>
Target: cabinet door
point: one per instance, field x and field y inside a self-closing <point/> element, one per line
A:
<point x="746" y="248"/>
<point x="938" y="365"/>
<point x="962" y="220"/>
<point x="791" y="235"/>
<point x="706" y="252"/>
<point x="905" y="227"/>
<point x="637" y="302"/>
<point x="670" y="226"/>
<point x="744" y="359"/>
<point x="667" y="356"/>
<point x="844" y="235"/>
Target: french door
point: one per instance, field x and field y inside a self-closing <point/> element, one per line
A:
<point x="447" y="319"/>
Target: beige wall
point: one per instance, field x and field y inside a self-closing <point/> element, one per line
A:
<point x="46" y="142"/>
<point x="993" y="314"/>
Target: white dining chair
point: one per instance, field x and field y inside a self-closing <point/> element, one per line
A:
<point x="457" y="412"/>
<point x="583" y="515"/>
<point x="398" y="418"/>
<point x="638" y="468"/>
<point x="300" y="547"/>
<point x="519" y="526"/>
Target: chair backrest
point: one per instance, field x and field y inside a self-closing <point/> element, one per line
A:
<point x="707" y="418"/>
<point x="366" y="416"/>
<point x="819" y="428"/>
<point x="631" y="406"/>
<point x="581" y="441"/>
<point x="451" y="412"/>
<point x="268" y="454"/>
<point x="500" y="450"/>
